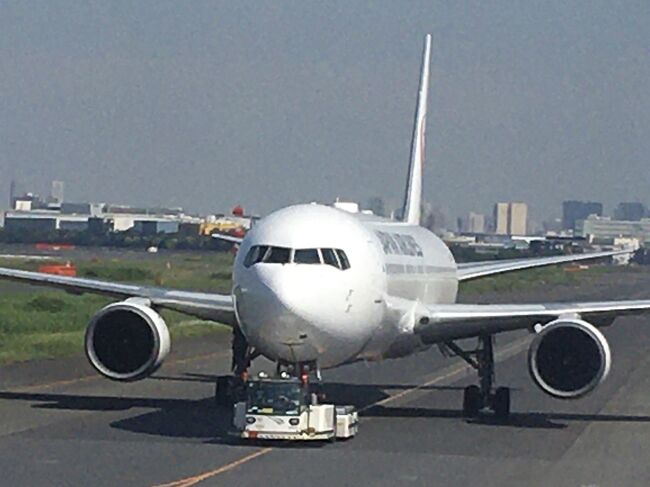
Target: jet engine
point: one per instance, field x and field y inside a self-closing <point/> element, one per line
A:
<point x="127" y="341"/>
<point x="568" y="358"/>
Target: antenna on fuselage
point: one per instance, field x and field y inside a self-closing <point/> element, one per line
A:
<point x="413" y="196"/>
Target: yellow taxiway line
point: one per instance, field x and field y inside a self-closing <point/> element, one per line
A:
<point x="189" y="481"/>
<point x="510" y="350"/>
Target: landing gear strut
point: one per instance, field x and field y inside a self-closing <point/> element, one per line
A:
<point x="241" y="352"/>
<point x="309" y="374"/>
<point x="483" y="396"/>
<point x="230" y="388"/>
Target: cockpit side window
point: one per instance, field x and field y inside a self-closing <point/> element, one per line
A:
<point x="255" y="255"/>
<point x="277" y="255"/>
<point x="306" y="256"/>
<point x="329" y="258"/>
<point x="343" y="259"/>
<point x="250" y="256"/>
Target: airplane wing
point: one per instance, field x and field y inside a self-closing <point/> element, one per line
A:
<point x="475" y="270"/>
<point x="454" y="321"/>
<point x="227" y="238"/>
<point x="217" y="307"/>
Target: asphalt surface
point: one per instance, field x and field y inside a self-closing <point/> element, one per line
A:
<point x="61" y="425"/>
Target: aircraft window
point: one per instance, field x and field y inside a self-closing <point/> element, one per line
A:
<point x="306" y="256"/>
<point x="255" y="255"/>
<point x="345" y="263"/>
<point x="329" y="258"/>
<point x="250" y="256"/>
<point x="277" y="255"/>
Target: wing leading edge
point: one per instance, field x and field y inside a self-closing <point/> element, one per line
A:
<point x="218" y="307"/>
<point x="475" y="270"/>
<point x="455" y="321"/>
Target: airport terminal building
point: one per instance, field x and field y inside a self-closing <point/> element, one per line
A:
<point x="603" y="229"/>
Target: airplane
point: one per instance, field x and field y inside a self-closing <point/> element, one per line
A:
<point x="317" y="287"/>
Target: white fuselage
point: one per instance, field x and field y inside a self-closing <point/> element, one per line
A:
<point x="302" y="312"/>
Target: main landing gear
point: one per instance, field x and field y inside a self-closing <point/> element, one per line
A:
<point x="482" y="396"/>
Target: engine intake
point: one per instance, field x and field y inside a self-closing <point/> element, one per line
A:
<point x="127" y="341"/>
<point x="568" y="358"/>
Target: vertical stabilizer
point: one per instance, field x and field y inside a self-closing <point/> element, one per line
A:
<point x="413" y="196"/>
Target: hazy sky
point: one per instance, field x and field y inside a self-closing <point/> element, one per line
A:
<point x="208" y="104"/>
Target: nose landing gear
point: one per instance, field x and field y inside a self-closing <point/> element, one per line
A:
<point x="482" y="396"/>
<point x="230" y="388"/>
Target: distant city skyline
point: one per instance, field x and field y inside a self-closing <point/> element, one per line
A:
<point x="34" y="212"/>
<point x="384" y="207"/>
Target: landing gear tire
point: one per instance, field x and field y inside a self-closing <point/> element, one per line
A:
<point x="501" y="404"/>
<point x="477" y="397"/>
<point x="224" y="391"/>
<point x="471" y="401"/>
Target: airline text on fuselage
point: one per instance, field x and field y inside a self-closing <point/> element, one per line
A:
<point x="400" y="244"/>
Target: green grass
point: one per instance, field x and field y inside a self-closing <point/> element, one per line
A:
<point x="38" y="323"/>
<point x="530" y="279"/>
<point x="201" y="272"/>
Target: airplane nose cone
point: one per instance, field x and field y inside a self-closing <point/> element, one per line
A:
<point x="287" y="313"/>
<point x="269" y="318"/>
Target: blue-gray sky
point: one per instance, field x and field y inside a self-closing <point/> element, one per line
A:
<point x="207" y="104"/>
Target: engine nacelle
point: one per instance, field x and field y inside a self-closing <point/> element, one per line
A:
<point x="127" y="341"/>
<point x="568" y="358"/>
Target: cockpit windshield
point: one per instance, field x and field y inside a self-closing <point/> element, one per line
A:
<point x="277" y="255"/>
<point x="287" y="398"/>
<point x="306" y="256"/>
<point x="283" y="255"/>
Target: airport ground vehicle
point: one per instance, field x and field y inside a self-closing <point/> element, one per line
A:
<point x="285" y="409"/>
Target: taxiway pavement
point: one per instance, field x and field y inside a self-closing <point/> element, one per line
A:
<point x="62" y="425"/>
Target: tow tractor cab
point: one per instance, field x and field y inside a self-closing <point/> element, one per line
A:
<point x="284" y="409"/>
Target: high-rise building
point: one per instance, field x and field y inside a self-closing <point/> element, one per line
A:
<point x="12" y="194"/>
<point x="475" y="223"/>
<point x="56" y="192"/>
<point x="501" y="218"/>
<point x="517" y="218"/>
<point x="573" y="211"/>
<point x="510" y="218"/>
<point x="631" y="212"/>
